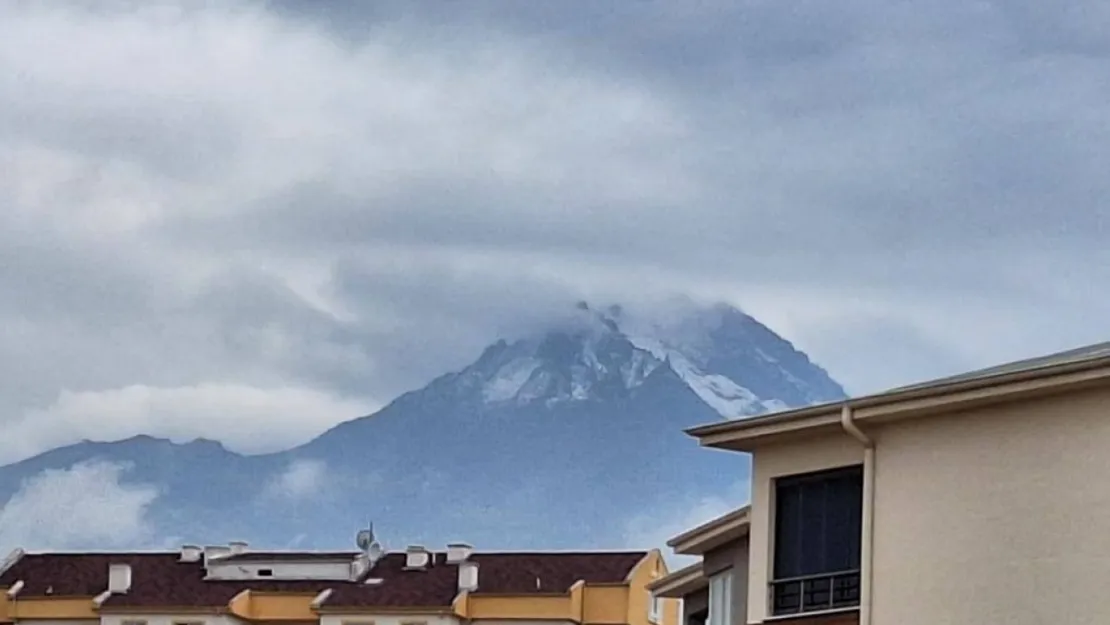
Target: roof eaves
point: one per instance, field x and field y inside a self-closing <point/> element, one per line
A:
<point x="693" y="575"/>
<point x="823" y="414"/>
<point x="351" y="608"/>
<point x="12" y="559"/>
<point x="785" y="416"/>
<point x="740" y="515"/>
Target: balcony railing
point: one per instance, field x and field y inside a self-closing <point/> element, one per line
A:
<point x="814" y="593"/>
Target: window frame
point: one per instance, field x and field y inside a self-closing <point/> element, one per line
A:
<point x="841" y="586"/>
<point x="655" y="608"/>
<point x="723" y="582"/>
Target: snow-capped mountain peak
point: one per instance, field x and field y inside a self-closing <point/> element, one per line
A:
<point x="728" y="359"/>
<point x="580" y="358"/>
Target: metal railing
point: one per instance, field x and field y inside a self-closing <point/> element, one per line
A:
<point x="813" y="593"/>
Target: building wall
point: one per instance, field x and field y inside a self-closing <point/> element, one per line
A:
<point x="162" y="619"/>
<point x="519" y="622"/>
<point x="695" y="602"/>
<point x="390" y="619"/>
<point x="638" y="605"/>
<point x="41" y="609"/>
<point x="734" y="555"/>
<point x="996" y="516"/>
<point x="280" y="570"/>
<point x="768" y="463"/>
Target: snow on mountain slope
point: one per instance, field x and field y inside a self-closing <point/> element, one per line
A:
<point x="686" y="343"/>
<point x="581" y="358"/>
<point x="728" y="359"/>
<point x="726" y="396"/>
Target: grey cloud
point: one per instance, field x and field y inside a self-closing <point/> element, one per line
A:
<point x="356" y="196"/>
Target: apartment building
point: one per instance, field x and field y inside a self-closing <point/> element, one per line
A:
<point x="223" y="585"/>
<point x="980" y="498"/>
<point x="714" y="589"/>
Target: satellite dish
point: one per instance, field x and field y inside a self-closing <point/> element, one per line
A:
<point x="374" y="551"/>
<point x="365" y="539"/>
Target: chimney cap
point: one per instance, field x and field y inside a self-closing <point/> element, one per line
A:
<point x="458" y="552"/>
<point x="119" y="577"/>
<point x="468" y="576"/>
<point x="191" y="553"/>
<point x="417" y="557"/>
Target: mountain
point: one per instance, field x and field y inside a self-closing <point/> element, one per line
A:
<point x="550" y="440"/>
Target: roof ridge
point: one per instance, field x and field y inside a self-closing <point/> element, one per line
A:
<point x="554" y="552"/>
<point x="499" y="552"/>
<point x="131" y="552"/>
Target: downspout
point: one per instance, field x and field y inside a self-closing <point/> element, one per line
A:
<point x="866" y="537"/>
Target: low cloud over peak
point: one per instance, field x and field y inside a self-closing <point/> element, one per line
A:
<point x="331" y="203"/>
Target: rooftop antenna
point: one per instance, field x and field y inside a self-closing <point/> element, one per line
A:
<point x="369" y="545"/>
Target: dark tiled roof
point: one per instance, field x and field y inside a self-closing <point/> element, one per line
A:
<point x="159" y="579"/>
<point x="498" y="573"/>
<point x="435" y="586"/>
<point x="557" y="572"/>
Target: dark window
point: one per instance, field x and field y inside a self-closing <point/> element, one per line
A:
<point x="818" y="519"/>
<point x="265" y="572"/>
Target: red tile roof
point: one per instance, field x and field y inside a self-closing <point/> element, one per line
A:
<point x="159" y="579"/>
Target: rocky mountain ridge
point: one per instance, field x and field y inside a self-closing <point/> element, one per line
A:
<point x="549" y="440"/>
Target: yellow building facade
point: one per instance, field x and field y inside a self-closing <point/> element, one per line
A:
<point x="224" y="585"/>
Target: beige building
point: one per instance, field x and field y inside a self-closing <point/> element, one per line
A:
<point x="233" y="585"/>
<point x="713" y="590"/>
<point x="978" y="499"/>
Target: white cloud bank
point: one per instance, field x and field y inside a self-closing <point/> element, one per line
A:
<point x="84" y="506"/>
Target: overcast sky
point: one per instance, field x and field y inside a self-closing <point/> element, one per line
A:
<point x="286" y="214"/>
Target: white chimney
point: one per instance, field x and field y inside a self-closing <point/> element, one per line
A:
<point x="458" y="552"/>
<point x="468" y="576"/>
<point x="119" y="578"/>
<point x="237" y="547"/>
<point x="359" y="565"/>
<point x="191" y="553"/>
<point x="416" y="557"/>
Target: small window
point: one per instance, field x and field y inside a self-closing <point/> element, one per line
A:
<point x="188" y="623"/>
<point x="265" y="572"/>
<point x="655" y="608"/>
<point x="132" y="622"/>
<point x="720" y="598"/>
<point x="414" y="622"/>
